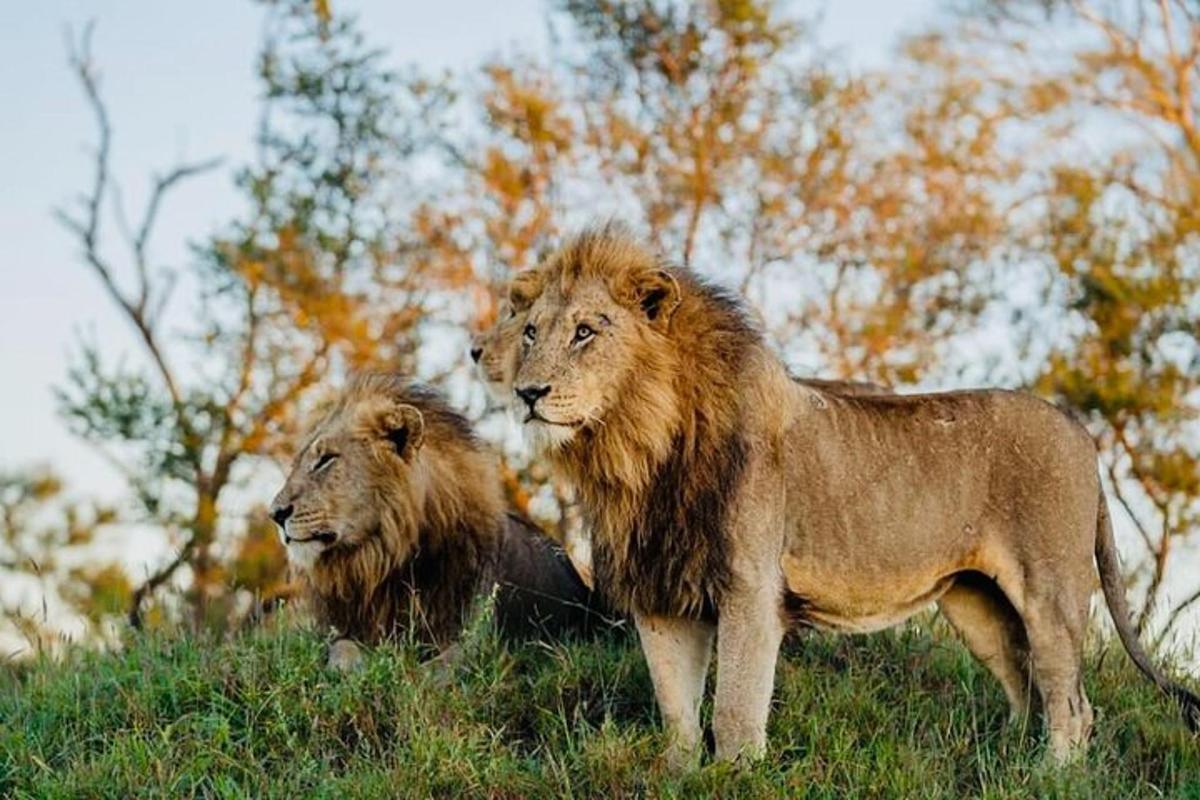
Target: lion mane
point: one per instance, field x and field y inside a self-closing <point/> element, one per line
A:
<point x="495" y="349"/>
<point x="657" y="478"/>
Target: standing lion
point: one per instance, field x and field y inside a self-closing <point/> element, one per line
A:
<point x="394" y="520"/>
<point x="727" y="502"/>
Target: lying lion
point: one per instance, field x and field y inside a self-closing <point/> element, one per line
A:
<point x="728" y="502"/>
<point x="392" y="517"/>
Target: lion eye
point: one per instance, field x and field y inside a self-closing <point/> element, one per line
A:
<point x="530" y="333"/>
<point x="583" y="332"/>
<point x="324" y="461"/>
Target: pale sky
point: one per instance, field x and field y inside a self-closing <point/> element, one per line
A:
<point x="178" y="79"/>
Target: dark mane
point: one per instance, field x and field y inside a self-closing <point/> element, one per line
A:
<point x="427" y="597"/>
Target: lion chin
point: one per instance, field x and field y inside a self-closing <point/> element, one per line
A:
<point x="547" y="436"/>
<point x="302" y="556"/>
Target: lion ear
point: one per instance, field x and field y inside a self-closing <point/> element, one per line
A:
<point x="400" y="426"/>
<point x="524" y="288"/>
<point x="657" y="294"/>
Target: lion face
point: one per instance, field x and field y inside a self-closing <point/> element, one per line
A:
<point x="494" y="351"/>
<point x="330" y="499"/>
<point x="582" y="345"/>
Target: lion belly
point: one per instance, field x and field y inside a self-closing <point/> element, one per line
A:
<point x="826" y="598"/>
<point x="889" y="498"/>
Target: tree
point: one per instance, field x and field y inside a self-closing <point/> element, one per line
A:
<point x="873" y="220"/>
<point x="738" y="144"/>
<point x="280" y="297"/>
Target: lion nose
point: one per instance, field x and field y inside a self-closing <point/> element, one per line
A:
<point x="281" y="513"/>
<point x="476" y="352"/>
<point x="531" y="394"/>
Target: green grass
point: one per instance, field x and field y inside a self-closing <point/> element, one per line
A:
<point x="906" y="714"/>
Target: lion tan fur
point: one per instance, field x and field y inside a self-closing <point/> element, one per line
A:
<point x="724" y="497"/>
<point x="495" y="350"/>
<point x="411" y="501"/>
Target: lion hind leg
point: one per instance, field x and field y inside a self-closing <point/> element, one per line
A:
<point x="1056" y="643"/>
<point x="995" y="634"/>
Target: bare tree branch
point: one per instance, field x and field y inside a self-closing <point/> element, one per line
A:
<point x="162" y="185"/>
<point x="1179" y="610"/>
<point x="1157" y="580"/>
<point x="1115" y="481"/>
<point x="158" y="579"/>
<point x="87" y="229"/>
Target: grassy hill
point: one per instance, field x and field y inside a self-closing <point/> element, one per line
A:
<point x="906" y="714"/>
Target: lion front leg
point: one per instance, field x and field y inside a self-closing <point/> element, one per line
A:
<point x="748" y="639"/>
<point x="677" y="652"/>
<point x="344" y="656"/>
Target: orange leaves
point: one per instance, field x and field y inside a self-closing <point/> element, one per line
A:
<point x="507" y="180"/>
<point x="441" y="260"/>
<point x="518" y="496"/>
<point x="526" y="108"/>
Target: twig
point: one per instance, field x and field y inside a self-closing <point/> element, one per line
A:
<point x="87" y="228"/>
<point x="156" y="580"/>
<point x="1160" y="573"/>
<point x="1137" y="523"/>
<point x="1179" y="610"/>
<point x="162" y="185"/>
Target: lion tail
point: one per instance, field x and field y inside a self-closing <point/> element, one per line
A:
<point x="1109" y="565"/>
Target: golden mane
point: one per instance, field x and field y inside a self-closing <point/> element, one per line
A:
<point x="396" y="514"/>
<point x="656" y="477"/>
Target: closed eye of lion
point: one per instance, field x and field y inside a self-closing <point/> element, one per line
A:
<point x="727" y="501"/>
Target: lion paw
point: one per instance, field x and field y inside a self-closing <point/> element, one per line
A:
<point x="344" y="656"/>
<point x="682" y="757"/>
